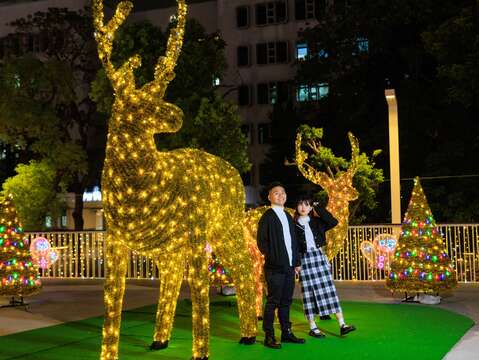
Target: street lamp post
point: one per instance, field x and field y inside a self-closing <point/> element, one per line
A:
<point x="394" y="156"/>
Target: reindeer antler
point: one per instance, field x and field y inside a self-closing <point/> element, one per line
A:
<point x="124" y="77"/>
<point x="354" y="155"/>
<point x="309" y="172"/>
<point x="105" y="34"/>
<point x="164" y="69"/>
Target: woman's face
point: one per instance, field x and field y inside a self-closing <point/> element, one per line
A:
<point x="304" y="208"/>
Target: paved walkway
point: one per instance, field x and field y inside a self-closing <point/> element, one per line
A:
<point x="69" y="300"/>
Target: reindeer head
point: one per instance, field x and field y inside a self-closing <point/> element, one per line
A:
<point x="339" y="186"/>
<point x="144" y="106"/>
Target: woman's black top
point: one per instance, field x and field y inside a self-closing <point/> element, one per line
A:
<point x="319" y="225"/>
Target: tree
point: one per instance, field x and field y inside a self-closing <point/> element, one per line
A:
<point x="455" y="46"/>
<point x="18" y="275"/>
<point x="45" y="111"/>
<point x="35" y="194"/>
<point x="421" y="262"/>
<point x="210" y="123"/>
<point x="420" y="48"/>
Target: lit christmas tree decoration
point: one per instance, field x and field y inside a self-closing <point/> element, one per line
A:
<point x="165" y="204"/>
<point x="19" y="276"/>
<point x="420" y="263"/>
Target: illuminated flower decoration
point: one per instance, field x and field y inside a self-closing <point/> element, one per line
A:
<point x="379" y="253"/>
<point x="43" y="254"/>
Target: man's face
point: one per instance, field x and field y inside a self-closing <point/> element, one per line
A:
<point x="277" y="196"/>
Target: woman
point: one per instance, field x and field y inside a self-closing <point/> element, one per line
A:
<point x="319" y="292"/>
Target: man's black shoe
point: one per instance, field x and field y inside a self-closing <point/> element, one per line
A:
<point x="288" y="337"/>
<point x="248" y="340"/>
<point x="345" y="329"/>
<point x="270" y="341"/>
<point x="158" y="345"/>
<point x="202" y="358"/>
<point x="325" y="317"/>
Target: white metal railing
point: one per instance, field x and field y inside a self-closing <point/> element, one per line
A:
<point x="83" y="254"/>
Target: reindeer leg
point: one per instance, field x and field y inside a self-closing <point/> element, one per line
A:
<point x="199" y="285"/>
<point x="114" y="289"/>
<point x="234" y="253"/>
<point x="171" y="275"/>
<point x="257" y="259"/>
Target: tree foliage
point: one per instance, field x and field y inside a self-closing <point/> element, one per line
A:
<point x="35" y="193"/>
<point x="46" y="114"/>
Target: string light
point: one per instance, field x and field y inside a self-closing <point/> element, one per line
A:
<point x="165" y="204"/>
<point x="421" y="262"/>
<point x="18" y="274"/>
<point x="339" y="188"/>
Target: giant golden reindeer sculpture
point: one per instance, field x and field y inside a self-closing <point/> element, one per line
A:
<point x="339" y="188"/>
<point x="165" y="204"/>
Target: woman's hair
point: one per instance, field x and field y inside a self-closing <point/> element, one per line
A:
<point x="304" y="199"/>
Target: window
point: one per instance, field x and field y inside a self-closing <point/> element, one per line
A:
<point x="307" y="9"/>
<point x="271" y="13"/>
<point x="243" y="56"/>
<point x="216" y="81"/>
<point x="244" y="95"/>
<point x="48" y="222"/>
<point x="272" y="93"/>
<point x="264" y="133"/>
<point x="242" y="16"/>
<point x="272" y="53"/>
<point x="362" y="45"/>
<point x="301" y="51"/>
<point x="247" y="130"/>
<point x="64" y="221"/>
<point x="313" y="92"/>
<point x="263" y="94"/>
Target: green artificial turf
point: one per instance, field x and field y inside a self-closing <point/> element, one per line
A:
<point x="385" y="331"/>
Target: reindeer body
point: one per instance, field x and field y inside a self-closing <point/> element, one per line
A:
<point x="165" y="204"/>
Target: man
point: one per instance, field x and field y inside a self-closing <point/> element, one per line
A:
<point x="277" y="242"/>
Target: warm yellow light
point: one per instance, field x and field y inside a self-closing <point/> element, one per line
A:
<point x="339" y="188"/>
<point x="166" y="205"/>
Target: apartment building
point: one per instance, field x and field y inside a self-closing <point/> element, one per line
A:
<point x="262" y="49"/>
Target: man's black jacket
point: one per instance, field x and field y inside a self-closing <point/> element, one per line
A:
<point x="319" y="226"/>
<point x="270" y="241"/>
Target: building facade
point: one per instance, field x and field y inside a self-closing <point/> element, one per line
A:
<point x="261" y="49"/>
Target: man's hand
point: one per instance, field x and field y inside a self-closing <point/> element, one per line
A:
<point x="297" y="270"/>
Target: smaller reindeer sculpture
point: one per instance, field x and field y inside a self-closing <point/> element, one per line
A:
<point x="339" y="188"/>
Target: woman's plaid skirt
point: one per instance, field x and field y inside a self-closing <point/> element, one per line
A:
<point x="319" y="292"/>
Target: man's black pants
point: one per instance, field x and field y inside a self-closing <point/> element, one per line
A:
<point x="280" y="296"/>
